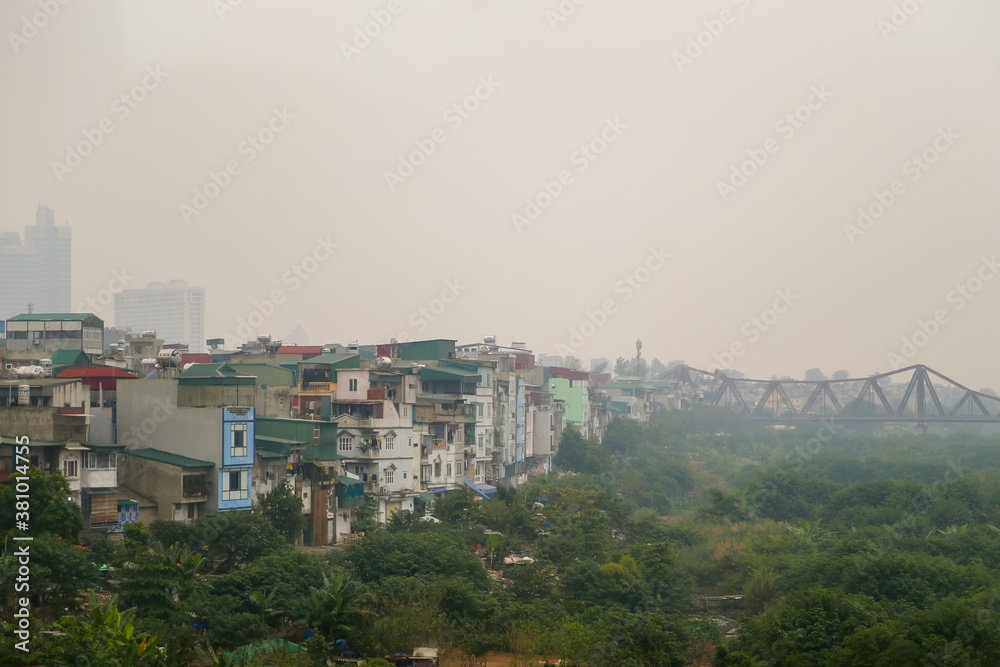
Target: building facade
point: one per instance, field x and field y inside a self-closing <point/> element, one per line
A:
<point x="37" y="270"/>
<point x="174" y="310"/>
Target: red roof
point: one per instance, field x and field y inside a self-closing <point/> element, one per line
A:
<point x="196" y="358"/>
<point x="568" y="373"/>
<point x="307" y="351"/>
<point x="97" y="376"/>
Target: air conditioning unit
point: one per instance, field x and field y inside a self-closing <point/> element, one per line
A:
<point x="382" y="490"/>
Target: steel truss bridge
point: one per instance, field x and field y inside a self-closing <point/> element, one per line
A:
<point x="917" y="394"/>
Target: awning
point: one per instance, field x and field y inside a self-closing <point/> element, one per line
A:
<point x="349" y="492"/>
<point x="477" y="489"/>
<point x="437" y="489"/>
<point x="487" y="488"/>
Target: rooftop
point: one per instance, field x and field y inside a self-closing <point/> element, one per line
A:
<point x="168" y="458"/>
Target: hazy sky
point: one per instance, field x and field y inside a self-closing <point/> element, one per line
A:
<point x="664" y="120"/>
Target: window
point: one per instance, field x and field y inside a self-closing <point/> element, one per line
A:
<point x="482" y="440"/>
<point x="425" y="473"/>
<point x="344" y="443"/>
<point x="387" y="475"/>
<point x="404" y="475"/>
<point x="406" y="411"/>
<point x="437" y="469"/>
<point x="449" y="470"/>
<point x="234" y="485"/>
<point x="480" y="409"/>
<point x="99" y="460"/>
<point x="388" y="441"/>
<point x="70" y="467"/>
<point x="238" y="442"/>
<point x="352" y="385"/>
<point x="191" y="508"/>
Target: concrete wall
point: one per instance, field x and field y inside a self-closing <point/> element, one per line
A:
<point x="343" y="384"/>
<point x="148" y="416"/>
<point x="275" y="401"/>
<point x="101" y="426"/>
<point x="165" y="485"/>
<point x="43" y="423"/>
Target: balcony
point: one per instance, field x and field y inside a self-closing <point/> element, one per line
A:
<point x="104" y="478"/>
<point x="196" y="487"/>
<point x="317" y="388"/>
<point x="376" y="394"/>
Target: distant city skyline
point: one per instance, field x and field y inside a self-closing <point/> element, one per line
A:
<point x="175" y="310"/>
<point x="38" y="269"/>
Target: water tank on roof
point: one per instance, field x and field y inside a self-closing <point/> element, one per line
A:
<point x="23" y="394"/>
<point x="168" y="358"/>
<point x="29" y="372"/>
<point x="46" y="365"/>
<point x="149" y="361"/>
<point x="490" y="340"/>
<point x="383" y="362"/>
<point x="149" y="333"/>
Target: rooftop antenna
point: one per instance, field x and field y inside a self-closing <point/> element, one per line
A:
<point x="31" y="307"/>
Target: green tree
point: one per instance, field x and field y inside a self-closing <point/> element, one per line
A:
<point x="106" y="637"/>
<point x="51" y="509"/>
<point x="283" y="509"/>
<point x="333" y="609"/>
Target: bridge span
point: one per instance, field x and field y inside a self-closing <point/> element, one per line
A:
<point x="915" y="394"/>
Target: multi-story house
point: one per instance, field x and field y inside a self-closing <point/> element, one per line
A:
<point x="54" y="414"/>
<point x="36" y="336"/>
<point x="374" y="410"/>
<point x="205" y="413"/>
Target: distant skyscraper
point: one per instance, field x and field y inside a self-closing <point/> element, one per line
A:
<point x="37" y="270"/>
<point x="175" y="311"/>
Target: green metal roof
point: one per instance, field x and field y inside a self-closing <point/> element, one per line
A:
<point x="69" y="358"/>
<point x="34" y="442"/>
<point x="347" y="481"/>
<point x="338" y="359"/>
<point x="210" y="371"/>
<point x="58" y="317"/>
<point x="264" y="454"/>
<point x="448" y="374"/>
<point x="268" y="374"/>
<point x="104" y="447"/>
<point x="168" y="458"/>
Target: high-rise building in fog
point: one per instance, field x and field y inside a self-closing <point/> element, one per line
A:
<point x="174" y="310"/>
<point x="37" y="270"/>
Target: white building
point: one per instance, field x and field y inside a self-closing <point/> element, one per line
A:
<point x="174" y="310"/>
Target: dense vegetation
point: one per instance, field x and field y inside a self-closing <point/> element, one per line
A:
<point x="847" y="549"/>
